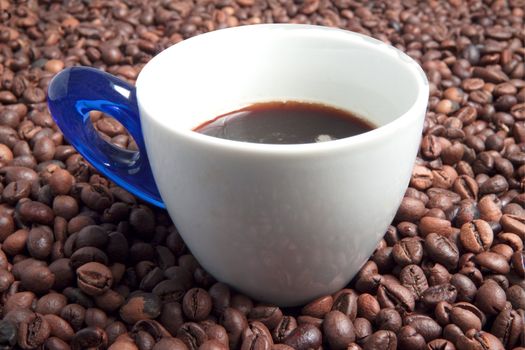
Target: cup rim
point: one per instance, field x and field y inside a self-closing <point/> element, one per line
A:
<point x="411" y="115"/>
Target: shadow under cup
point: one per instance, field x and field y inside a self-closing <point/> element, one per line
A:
<point x="282" y="223"/>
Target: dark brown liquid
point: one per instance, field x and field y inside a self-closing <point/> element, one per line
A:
<point x="285" y="123"/>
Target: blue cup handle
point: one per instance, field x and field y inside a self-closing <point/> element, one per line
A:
<point x="76" y="91"/>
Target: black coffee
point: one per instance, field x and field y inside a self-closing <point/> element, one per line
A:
<point x="285" y="123"/>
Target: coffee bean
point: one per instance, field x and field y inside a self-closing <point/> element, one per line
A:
<point x="8" y="334"/>
<point x="33" y="332"/>
<point x="269" y="315"/>
<point x="440" y="344"/>
<point x="381" y="340"/>
<point x="466" y="316"/>
<point x="490" y="298"/>
<point x="217" y="332"/>
<point x="96" y="197"/>
<point x="140" y="307"/>
<point x="413" y="278"/>
<point x="59" y="327"/>
<point x="466" y="289"/>
<point x="518" y="263"/>
<point x="192" y="335"/>
<point x="74" y="314"/>
<point x="197" y="304"/>
<point x="257" y="336"/>
<point x="507" y="327"/>
<point x="514" y="224"/>
<point x="319" y="307"/>
<point x="441" y="292"/>
<point x="51" y="303"/>
<point x="284" y="328"/>
<point x="338" y="329"/>
<point x="38" y="279"/>
<point x="408" y="338"/>
<point x="177" y="344"/>
<point x="234" y="322"/>
<point x="35" y="212"/>
<point x="39" y="242"/>
<point x="389" y="319"/>
<point x="411" y="209"/>
<point x="89" y="337"/>
<point x="304" y="337"/>
<point x="367" y="307"/>
<point x="346" y="302"/>
<point x="64" y="275"/>
<point x="424" y="325"/>
<point x="94" y="278"/>
<point x="493" y="262"/>
<point x="476" y="236"/>
<point x="478" y="340"/>
<point x="408" y="251"/>
<point x="442" y="250"/>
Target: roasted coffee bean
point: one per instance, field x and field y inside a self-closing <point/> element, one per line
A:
<point x="346" y="302"/>
<point x="192" y="335"/>
<point x="284" y="328"/>
<point x="440" y="344"/>
<point x="141" y="306"/>
<point x="478" y="340"/>
<point x="413" y="278"/>
<point x="6" y="280"/>
<point x="367" y="307"/>
<point x="35" y="212"/>
<point x="466" y="289"/>
<point x="212" y="345"/>
<point x="305" y="336"/>
<point x="257" y="336"/>
<point x="216" y="332"/>
<point x="516" y="296"/>
<point x="319" y="307"/>
<point x="476" y="236"/>
<point x="94" y="278"/>
<point x="196" y="304"/>
<point x="8" y="334"/>
<point x="177" y="344"/>
<point x="518" y="263"/>
<point x="381" y="340"/>
<point x="392" y="294"/>
<point x="59" y="327"/>
<point x="389" y="319"/>
<point x="442" y="250"/>
<point x="338" y="330"/>
<point x="269" y="315"/>
<point x="441" y="292"/>
<point x="89" y="337"/>
<point x="466" y="316"/>
<point x="411" y="209"/>
<point x="51" y="303"/>
<point x="490" y="298"/>
<point x="493" y="262"/>
<point x="408" y="251"/>
<point x="33" y="332"/>
<point x="234" y="322"/>
<point x="507" y="327"/>
<point x="38" y="279"/>
<point x="424" y="325"/>
<point x="408" y="338"/>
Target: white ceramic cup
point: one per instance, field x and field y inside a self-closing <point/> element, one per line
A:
<point x="281" y="223"/>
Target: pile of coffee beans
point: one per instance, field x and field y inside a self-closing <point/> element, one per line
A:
<point x="85" y="265"/>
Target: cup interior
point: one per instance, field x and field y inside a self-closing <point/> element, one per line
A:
<point x="215" y="73"/>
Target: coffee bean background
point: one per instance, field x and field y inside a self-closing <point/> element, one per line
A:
<point x="85" y="265"/>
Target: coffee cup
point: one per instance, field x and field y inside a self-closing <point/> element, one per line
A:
<point x="281" y="223"/>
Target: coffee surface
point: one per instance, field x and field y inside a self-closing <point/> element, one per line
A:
<point x="288" y="122"/>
